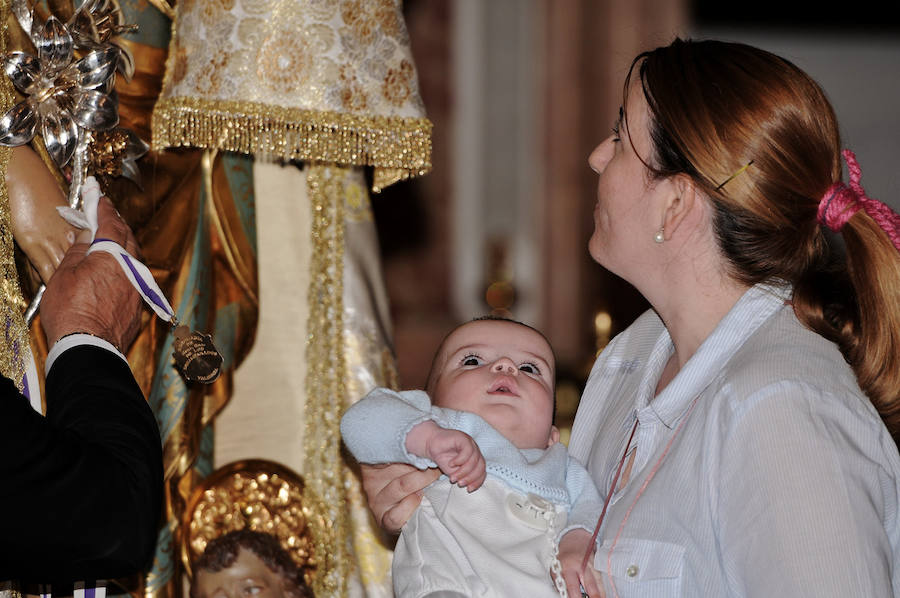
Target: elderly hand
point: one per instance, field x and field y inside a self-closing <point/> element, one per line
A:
<point x="36" y="226"/>
<point x="90" y="293"/>
<point x="394" y="491"/>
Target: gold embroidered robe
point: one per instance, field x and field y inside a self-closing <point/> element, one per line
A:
<point x="315" y="90"/>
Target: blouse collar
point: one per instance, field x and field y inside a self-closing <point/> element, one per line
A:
<point x="745" y="317"/>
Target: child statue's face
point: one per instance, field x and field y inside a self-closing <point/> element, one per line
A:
<point x="247" y="577"/>
<point x="503" y="372"/>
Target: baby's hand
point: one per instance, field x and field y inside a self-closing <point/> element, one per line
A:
<point x="458" y="456"/>
<point x="455" y="453"/>
<point x="572" y="547"/>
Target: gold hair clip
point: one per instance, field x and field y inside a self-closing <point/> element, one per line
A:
<point x="737" y="172"/>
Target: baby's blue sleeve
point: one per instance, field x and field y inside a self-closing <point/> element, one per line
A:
<point x="374" y="428"/>
<point x="585" y="500"/>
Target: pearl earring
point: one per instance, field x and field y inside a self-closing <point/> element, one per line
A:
<point x="659" y="237"/>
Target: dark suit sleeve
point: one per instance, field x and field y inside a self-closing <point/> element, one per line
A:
<point x="82" y="488"/>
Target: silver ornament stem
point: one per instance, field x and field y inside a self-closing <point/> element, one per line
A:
<point x="79" y="168"/>
<point x="35" y="304"/>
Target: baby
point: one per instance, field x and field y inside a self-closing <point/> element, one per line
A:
<point x="491" y="525"/>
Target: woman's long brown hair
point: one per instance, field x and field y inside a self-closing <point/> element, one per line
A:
<point x="715" y="108"/>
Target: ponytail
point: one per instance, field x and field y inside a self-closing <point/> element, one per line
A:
<point x="869" y="335"/>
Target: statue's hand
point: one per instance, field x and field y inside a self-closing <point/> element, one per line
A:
<point x="33" y="197"/>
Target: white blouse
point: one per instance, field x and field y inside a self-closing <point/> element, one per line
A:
<point x="760" y="470"/>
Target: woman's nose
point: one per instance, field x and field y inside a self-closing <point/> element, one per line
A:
<point x="601" y="155"/>
<point x="505" y="365"/>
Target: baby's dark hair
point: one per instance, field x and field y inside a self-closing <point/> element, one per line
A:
<point x="222" y="552"/>
<point x="432" y="372"/>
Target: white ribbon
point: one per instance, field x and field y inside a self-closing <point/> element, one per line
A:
<point x="138" y="274"/>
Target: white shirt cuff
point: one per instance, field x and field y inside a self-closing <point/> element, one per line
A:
<point x="74" y="340"/>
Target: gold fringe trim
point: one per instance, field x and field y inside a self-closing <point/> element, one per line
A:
<point x="326" y="373"/>
<point x="398" y="148"/>
<point x="12" y="305"/>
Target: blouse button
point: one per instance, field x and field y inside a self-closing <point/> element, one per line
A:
<point x="631" y="571"/>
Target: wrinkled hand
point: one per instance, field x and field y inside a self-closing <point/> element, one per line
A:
<point x="90" y="293"/>
<point x="571" y="554"/>
<point x="458" y="456"/>
<point x="394" y="491"/>
<point x="36" y="225"/>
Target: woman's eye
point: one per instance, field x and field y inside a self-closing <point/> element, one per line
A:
<point x="615" y="128"/>
<point x="471" y="360"/>
<point x="252" y="590"/>
<point x="530" y="368"/>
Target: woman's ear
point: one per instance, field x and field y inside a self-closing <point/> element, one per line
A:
<point x="684" y="204"/>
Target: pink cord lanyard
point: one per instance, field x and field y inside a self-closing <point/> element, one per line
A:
<point x="643" y="487"/>
<point x="612" y="487"/>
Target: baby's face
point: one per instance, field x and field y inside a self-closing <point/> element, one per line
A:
<point x="503" y="372"/>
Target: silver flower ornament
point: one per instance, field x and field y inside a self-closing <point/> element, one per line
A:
<point x="96" y="24"/>
<point x="62" y="95"/>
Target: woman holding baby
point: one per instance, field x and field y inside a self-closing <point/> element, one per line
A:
<point x="743" y="425"/>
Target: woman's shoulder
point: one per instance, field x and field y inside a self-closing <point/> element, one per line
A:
<point x="787" y="380"/>
<point x="787" y="362"/>
<point x="784" y="349"/>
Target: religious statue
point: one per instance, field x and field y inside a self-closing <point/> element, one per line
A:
<point x="272" y="108"/>
<point x="247" y="561"/>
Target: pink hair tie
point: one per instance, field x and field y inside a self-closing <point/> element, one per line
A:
<point x="841" y="202"/>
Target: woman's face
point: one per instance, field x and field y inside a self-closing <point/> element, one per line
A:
<point x="624" y="225"/>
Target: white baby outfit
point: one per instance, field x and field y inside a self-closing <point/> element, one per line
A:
<point x="495" y="541"/>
